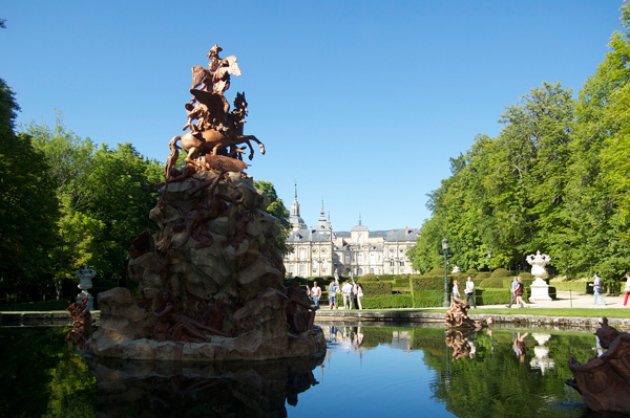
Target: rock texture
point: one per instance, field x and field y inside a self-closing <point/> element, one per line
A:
<point x="210" y="282"/>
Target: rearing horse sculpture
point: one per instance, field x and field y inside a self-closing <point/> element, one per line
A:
<point x="212" y="141"/>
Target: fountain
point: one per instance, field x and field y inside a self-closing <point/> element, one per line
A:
<point x="603" y="380"/>
<point x="210" y="281"/>
<point x="539" y="288"/>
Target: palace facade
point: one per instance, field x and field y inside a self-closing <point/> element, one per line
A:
<point x="319" y="251"/>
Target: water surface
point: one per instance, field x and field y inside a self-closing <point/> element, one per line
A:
<point x="367" y="371"/>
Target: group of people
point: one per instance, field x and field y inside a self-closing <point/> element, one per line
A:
<point x="598" y="285"/>
<point x="517" y="290"/>
<point x="352" y="293"/>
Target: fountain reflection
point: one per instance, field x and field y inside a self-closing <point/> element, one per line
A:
<point x="541" y="361"/>
<point x="225" y="389"/>
<point x="462" y="346"/>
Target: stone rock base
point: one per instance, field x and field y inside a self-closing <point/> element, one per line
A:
<point x="248" y="346"/>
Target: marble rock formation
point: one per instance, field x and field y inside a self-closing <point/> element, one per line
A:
<point x="603" y="380"/>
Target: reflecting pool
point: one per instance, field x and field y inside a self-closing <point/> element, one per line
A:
<point x="367" y="371"/>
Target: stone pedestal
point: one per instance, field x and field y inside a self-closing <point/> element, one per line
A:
<point x="540" y="291"/>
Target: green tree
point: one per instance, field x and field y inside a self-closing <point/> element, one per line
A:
<point x="28" y="208"/>
<point x="276" y="207"/>
<point x="597" y="206"/>
<point x="117" y="196"/>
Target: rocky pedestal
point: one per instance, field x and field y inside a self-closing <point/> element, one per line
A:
<point x="209" y="282"/>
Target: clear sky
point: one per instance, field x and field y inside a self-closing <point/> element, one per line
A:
<point x="362" y="103"/>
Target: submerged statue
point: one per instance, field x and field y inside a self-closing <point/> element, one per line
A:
<point x="210" y="281"/>
<point x="603" y="380"/>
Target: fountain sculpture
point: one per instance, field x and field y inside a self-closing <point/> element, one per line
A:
<point x="210" y="281"/>
<point x="539" y="288"/>
<point x="603" y="380"/>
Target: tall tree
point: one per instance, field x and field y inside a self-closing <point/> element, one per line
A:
<point x="28" y="208"/>
<point x="276" y="207"/>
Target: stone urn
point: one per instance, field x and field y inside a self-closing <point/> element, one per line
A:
<point x="85" y="276"/>
<point x="539" y="288"/>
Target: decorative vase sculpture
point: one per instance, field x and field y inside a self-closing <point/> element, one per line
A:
<point x="210" y="281"/>
<point x="85" y="276"/>
<point x="539" y="288"/>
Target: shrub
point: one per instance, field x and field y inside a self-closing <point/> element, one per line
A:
<point x="386" y="301"/>
<point x="376" y="288"/>
<point x="428" y="283"/>
<point x="494" y="282"/>
<point x="492" y="296"/>
<point x="428" y="298"/>
<point x="49" y="305"/>
<point x="500" y="272"/>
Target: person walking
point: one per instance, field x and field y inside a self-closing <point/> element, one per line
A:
<point x="519" y="291"/>
<point x="333" y="289"/>
<point x="597" y="289"/>
<point x="316" y="293"/>
<point x="625" y="301"/>
<point x="346" y="291"/>
<point x="470" y="292"/>
<point x="513" y="288"/>
<point x="455" y="292"/>
<point x="359" y="295"/>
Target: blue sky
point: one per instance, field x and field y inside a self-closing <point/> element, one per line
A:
<point x="362" y="103"/>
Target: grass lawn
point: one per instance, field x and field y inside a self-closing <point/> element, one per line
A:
<point x="579" y="312"/>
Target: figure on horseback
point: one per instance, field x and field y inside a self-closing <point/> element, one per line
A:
<point x="212" y="128"/>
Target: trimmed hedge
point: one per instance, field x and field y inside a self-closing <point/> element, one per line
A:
<point x="428" y="299"/>
<point x="494" y="282"/>
<point x="386" y="301"/>
<point x="49" y="305"/>
<point x="492" y="296"/>
<point x="376" y="288"/>
<point x="429" y="283"/>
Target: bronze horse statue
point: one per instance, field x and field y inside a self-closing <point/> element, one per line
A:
<point x="212" y="142"/>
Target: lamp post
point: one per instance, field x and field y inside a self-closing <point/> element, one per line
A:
<point x="445" y="253"/>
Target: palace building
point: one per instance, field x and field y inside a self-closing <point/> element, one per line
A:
<point x="319" y="251"/>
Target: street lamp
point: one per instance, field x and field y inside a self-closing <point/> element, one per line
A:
<point x="445" y="253"/>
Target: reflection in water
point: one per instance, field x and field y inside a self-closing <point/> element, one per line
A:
<point x="460" y="343"/>
<point x="229" y="389"/>
<point x="392" y="371"/>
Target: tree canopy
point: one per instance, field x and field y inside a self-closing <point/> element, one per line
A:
<point x="556" y="179"/>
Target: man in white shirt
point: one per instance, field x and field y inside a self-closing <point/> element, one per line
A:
<point x="346" y="291"/>
<point x="470" y="292"/>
